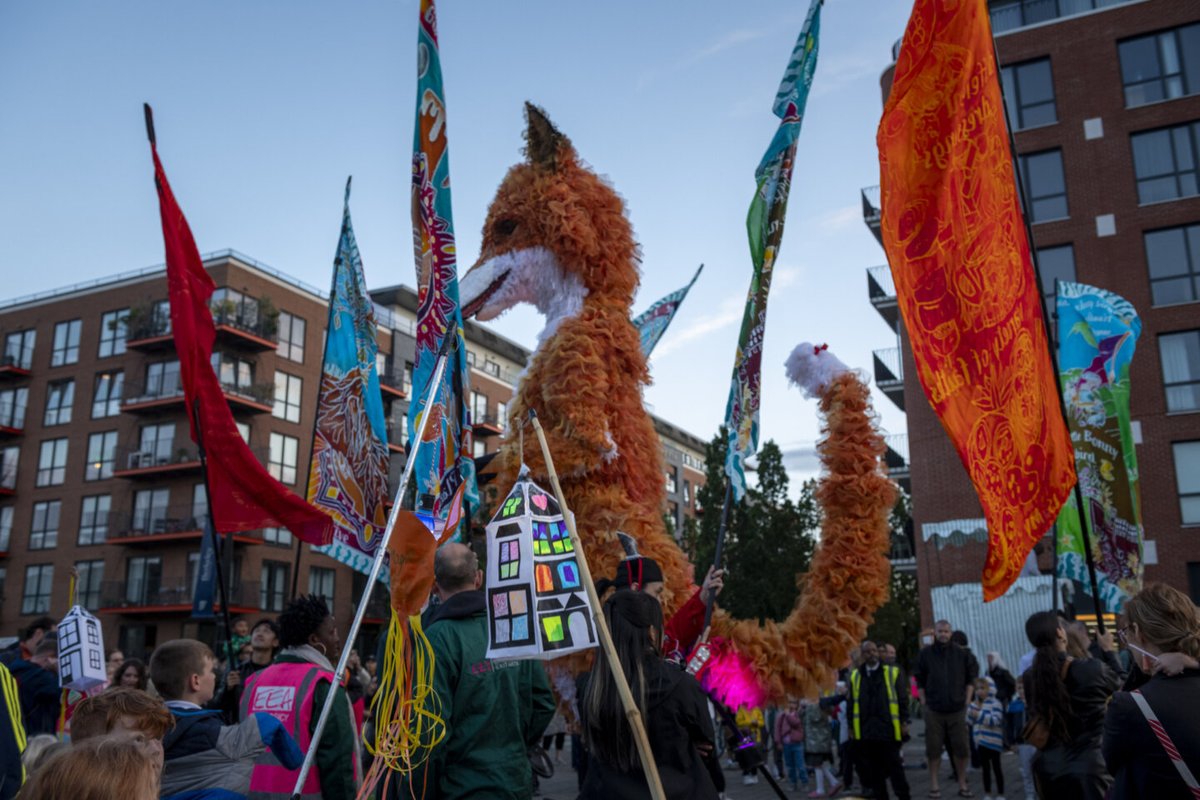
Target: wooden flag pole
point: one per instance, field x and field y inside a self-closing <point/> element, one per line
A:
<point x="606" y="643"/>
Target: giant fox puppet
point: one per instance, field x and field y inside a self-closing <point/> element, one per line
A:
<point x="556" y="236"/>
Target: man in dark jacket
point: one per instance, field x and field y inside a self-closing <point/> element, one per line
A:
<point x="37" y="679"/>
<point x="28" y="640"/>
<point x="945" y="676"/>
<point x="493" y="710"/>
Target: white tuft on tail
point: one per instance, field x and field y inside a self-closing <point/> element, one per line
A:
<point x="813" y="368"/>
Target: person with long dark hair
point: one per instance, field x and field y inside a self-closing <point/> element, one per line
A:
<point x="132" y="674"/>
<point x="673" y="708"/>
<point x="1160" y="620"/>
<point x="1070" y="696"/>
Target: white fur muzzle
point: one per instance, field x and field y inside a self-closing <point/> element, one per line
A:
<point x="533" y="276"/>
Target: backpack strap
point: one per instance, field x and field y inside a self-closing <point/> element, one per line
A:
<point x="1168" y="746"/>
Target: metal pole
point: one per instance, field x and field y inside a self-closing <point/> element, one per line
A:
<point x="211" y="531"/>
<point x="431" y="394"/>
<point x="1037" y="274"/>
<point x="710" y="600"/>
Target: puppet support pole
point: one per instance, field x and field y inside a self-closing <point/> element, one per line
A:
<point x="377" y="563"/>
<point x="606" y="643"/>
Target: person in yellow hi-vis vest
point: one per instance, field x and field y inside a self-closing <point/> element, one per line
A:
<point x="878" y="723"/>
<point x="752" y="723"/>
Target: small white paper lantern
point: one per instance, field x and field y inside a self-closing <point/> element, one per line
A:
<point x="80" y="651"/>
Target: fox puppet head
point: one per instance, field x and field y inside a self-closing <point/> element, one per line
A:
<point x="556" y="235"/>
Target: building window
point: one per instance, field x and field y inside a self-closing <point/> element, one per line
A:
<point x="1193" y="571"/>
<point x="233" y="372"/>
<point x="502" y="416"/>
<point x="281" y="536"/>
<point x="106" y="400"/>
<point x="93" y="519"/>
<point x="162" y="379"/>
<point x="291" y="337"/>
<point x="1187" y="480"/>
<point x="479" y="406"/>
<point x="1044" y="184"/>
<point x="1164" y="162"/>
<point x="491" y="367"/>
<point x="282" y="460"/>
<point x="113" y="332"/>
<point x="320" y="583"/>
<point x="143" y="580"/>
<point x="274" y="585"/>
<point x="150" y="510"/>
<point x="243" y="431"/>
<point x="52" y="463"/>
<point x="478" y="448"/>
<point x="1029" y="94"/>
<point x="408" y="373"/>
<point x="66" y="343"/>
<point x="39" y="582"/>
<point x="60" y="397"/>
<point x="18" y="349"/>
<point x="1173" y="258"/>
<point x="1009" y="15"/>
<point x="199" y="519"/>
<point x="687" y="494"/>
<point x="1180" y="353"/>
<point x="287" y="397"/>
<point x="672" y="481"/>
<point x="9" y="457"/>
<point x="12" y="408"/>
<point x="155" y="445"/>
<point x="1161" y="66"/>
<point x="87" y="587"/>
<point x="43" y="531"/>
<point x="1055" y="264"/>
<point x="6" y="524"/>
<point x="101" y="456"/>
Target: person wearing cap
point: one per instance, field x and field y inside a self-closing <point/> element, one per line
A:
<point x="640" y="573"/>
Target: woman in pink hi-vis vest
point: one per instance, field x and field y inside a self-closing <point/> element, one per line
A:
<point x="293" y="690"/>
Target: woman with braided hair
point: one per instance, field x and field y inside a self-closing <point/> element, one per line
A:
<point x="1163" y="632"/>
<point x="673" y="707"/>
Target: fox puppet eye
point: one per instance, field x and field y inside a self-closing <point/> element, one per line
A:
<point x="504" y="227"/>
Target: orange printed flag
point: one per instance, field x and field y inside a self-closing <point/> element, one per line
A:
<point x="964" y="279"/>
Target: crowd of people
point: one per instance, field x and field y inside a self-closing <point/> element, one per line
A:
<point x="1089" y="716"/>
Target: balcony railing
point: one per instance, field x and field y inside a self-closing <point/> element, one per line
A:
<point x="397" y="441"/>
<point x="146" y="324"/>
<point x="12" y="416"/>
<point x="137" y="460"/>
<point x="888" y="366"/>
<point x="880" y="286"/>
<point x="496" y="371"/>
<point x="248" y="315"/>
<point x="394" y="380"/>
<point x="897" y="452"/>
<point x="157" y="390"/>
<point x="255" y="396"/>
<point x="17" y="360"/>
<point x="156" y="521"/>
<point x="170" y="594"/>
<point x="488" y="424"/>
<point x="871" y="214"/>
<point x="1009" y="15"/>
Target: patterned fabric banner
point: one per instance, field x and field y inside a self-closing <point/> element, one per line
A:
<point x="1097" y="332"/>
<point x="956" y="243"/>
<point x="444" y="468"/>
<point x="348" y="473"/>
<point x="764" y="224"/>
<point x="653" y="322"/>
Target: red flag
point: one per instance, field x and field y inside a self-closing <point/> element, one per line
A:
<point x="244" y="496"/>
<point x="964" y="278"/>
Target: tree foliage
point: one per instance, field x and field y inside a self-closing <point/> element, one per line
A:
<point x="898" y="622"/>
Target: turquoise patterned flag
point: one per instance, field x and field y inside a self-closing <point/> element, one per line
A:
<point x="348" y="473"/>
<point x="764" y="224"/>
<point x="1097" y="334"/>
<point x="652" y="323"/>
<point x="444" y="467"/>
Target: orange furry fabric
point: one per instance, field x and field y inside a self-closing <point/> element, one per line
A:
<point x="585" y="381"/>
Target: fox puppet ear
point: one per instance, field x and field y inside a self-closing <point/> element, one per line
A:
<point x="543" y="142"/>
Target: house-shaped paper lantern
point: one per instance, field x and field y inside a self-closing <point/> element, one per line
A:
<point x="537" y="604"/>
<point x="80" y="651"/>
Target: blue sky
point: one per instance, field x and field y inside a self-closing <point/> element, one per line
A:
<point x="263" y="108"/>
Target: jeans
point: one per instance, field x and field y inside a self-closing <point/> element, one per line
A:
<point x="793" y="757"/>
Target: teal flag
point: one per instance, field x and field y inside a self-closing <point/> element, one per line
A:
<point x="444" y="469"/>
<point x="764" y="224"/>
<point x="1097" y="332"/>
<point x="348" y="472"/>
<point x="653" y="322"/>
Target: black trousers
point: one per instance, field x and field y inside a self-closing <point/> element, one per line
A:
<point x="878" y="762"/>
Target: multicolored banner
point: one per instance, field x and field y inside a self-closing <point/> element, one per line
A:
<point x="764" y="224"/>
<point x="952" y="229"/>
<point x="348" y="473"/>
<point x="444" y="468"/>
<point x="1097" y="333"/>
<point x="653" y="322"/>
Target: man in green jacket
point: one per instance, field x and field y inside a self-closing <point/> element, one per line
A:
<point x="493" y="710"/>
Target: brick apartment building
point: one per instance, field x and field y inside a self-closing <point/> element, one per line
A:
<point x="98" y="471"/>
<point x="1104" y="100"/>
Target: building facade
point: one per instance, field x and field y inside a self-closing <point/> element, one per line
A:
<point x="1104" y="102"/>
<point x="98" y="472"/>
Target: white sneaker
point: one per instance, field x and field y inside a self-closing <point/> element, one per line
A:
<point x="753" y="779"/>
<point x="748" y="780"/>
